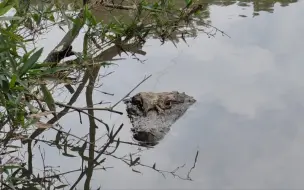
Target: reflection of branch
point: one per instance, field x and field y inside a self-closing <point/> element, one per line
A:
<point x="87" y="108"/>
<point x="121" y="7"/>
<point x="73" y="99"/>
<point x="162" y="172"/>
<point x="135" y="144"/>
<point x="30" y="158"/>
<point x="106" y="55"/>
<point x="68" y="133"/>
<point x="194" y="164"/>
<point x="146" y="78"/>
<point x="213" y="31"/>
<point x="82" y="111"/>
<point x="68" y="172"/>
<point x="92" y="129"/>
<point x="95" y="161"/>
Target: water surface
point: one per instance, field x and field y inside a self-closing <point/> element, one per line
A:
<point x="248" y="120"/>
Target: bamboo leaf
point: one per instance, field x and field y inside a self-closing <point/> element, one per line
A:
<point x="48" y="98"/>
<point x="5" y="9"/>
<point x="30" y="62"/>
<point x="7" y="167"/>
<point x="13" y="81"/>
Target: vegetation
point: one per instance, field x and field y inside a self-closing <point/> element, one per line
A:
<point x="27" y="82"/>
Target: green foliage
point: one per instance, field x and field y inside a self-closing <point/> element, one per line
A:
<point x="29" y="63"/>
<point x="24" y="76"/>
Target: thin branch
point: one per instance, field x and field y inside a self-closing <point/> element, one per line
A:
<point x="146" y="78"/>
<point x="69" y="172"/>
<point x="121" y="7"/>
<point x="194" y="164"/>
<point x="135" y="144"/>
<point x="79" y="109"/>
<point x="97" y="157"/>
<point x="92" y="128"/>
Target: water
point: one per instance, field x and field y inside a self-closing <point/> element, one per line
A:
<point x="247" y="123"/>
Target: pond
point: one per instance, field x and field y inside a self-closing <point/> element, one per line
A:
<point x="247" y="123"/>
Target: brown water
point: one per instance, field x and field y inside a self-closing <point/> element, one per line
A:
<point x="248" y="120"/>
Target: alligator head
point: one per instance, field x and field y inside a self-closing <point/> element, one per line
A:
<point x="152" y="114"/>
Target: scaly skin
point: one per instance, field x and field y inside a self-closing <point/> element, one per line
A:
<point x="152" y="114"/>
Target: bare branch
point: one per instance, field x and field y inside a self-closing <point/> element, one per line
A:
<point x="79" y="109"/>
<point x="194" y="164"/>
<point x="146" y="78"/>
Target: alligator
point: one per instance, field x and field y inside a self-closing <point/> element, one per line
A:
<point x="152" y="114"/>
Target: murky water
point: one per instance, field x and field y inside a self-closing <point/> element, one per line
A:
<point x="248" y="122"/>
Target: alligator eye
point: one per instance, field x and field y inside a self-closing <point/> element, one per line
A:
<point x="136" y="101"/>
<point x="168" y="103"/>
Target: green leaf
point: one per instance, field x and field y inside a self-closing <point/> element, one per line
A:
<point x="4" y="85"/>
<point x="30" y="62"/>
<point x="16" y="3"/>
<point x="78" y="24"/>
<point x="26" y="55"/>
<point x="3" y="3"/>
<point x="18" y="99"/>
<point x="66" y="19"/>
<point x="13" y="81"/>
<point x="12" y="35"/>
<point x="37" y="18"/>
<point x="6" y="9"/>
<point x="85" y="44"/>
<point x="7" y="167"/>
<point x="52" y="18"/>
<point x="48" y="98"/>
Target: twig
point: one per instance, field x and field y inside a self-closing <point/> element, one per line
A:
<point x="135" y="144"/>
<point x="162" y="172"/>
<point x="194" y="164"/>
<point x="58" y="130"/>
<point x="97" y="157"/>
<point x="68" y="172"/>
<point x="87" y="108"/>
<point x="146" y="78"/>
<point x="92" y="128"/>
<point x="121" y="7"/>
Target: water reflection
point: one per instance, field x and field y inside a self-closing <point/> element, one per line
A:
<point x="247" y="121"/>
<point x="256" y="5"/>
